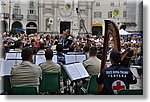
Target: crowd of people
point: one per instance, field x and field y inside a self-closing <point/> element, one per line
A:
<point x="74" y="44"/>
<point x="61" y="44"/>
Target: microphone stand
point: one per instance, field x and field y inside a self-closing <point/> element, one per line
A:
<point x="82" y="20"/>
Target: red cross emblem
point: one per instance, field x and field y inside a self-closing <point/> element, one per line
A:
<point x="118" y="85"/>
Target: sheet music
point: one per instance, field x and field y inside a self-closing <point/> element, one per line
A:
<point x="54" y="59"/>
<point x="6" y="67"/>
<point x="40" y="59"/>
<point x="72" y="72"/>
<point x="70" y="59"/>
<point x="18" y="56"/>
<point x="81" y="69"/>
<point x="80" y="58"/>
<point x="18" y="62"/>
<point x="10" y="55"/>
<point x="13" y="51"/>
<point x="1" y="62"/>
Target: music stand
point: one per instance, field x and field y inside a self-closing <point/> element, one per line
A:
<point x="76" y="71"/>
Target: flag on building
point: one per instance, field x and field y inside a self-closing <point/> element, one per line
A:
<point x="68" y="5"/>
<point x="116" y="9"/>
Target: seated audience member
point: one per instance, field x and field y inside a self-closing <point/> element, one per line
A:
<point x="41" y="50"/>
<point x="92" y="64"/>
<point x="18" y="46"/>
<point x="27" y="73"/>
<point x="71" y="50"/>
<point x="27" y="45"/>
<point x="60" y="55"/>
<point x="86" y="49"/>
<point x="33" y="42"/>
<point x="49" y="65"/>
<point x="35" y="50"/>
<point x="115" y="77"/>
<point x="54" y="46"/>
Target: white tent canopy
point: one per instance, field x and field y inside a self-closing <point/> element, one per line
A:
<point x="123" y="32"/>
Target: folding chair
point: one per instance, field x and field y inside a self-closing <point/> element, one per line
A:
<point x="50" y="83"/>
<point x="6" y="84"/>
<point x="131" y="92"/>
<point x="25" y="90"/>
<point x="92" y="87"/>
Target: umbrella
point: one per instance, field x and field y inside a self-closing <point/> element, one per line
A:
<point x="123" y="32"/>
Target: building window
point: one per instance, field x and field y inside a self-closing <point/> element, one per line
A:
<point x="31" y="3"/>
<point x="112" y="4"/>
<point x="124" y="14"/>
<point x="3" y="5"/>
<point x="16" y="4"/>
<point x="97" y="3"/>
<point x="110" y="14"/>
<point x="125" y="3"/>
<point x="31" y="12"/>
<point x="97" y="14"/>
<point x="17" y="11"/>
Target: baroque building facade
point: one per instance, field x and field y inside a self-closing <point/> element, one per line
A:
<point x="80" y="16"/>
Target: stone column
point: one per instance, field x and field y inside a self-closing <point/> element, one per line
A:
<point x="41" y="17"/>
<point x="89" y="23"/>
<point x="75" y="25"/>
<point x="55" y="16"/>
